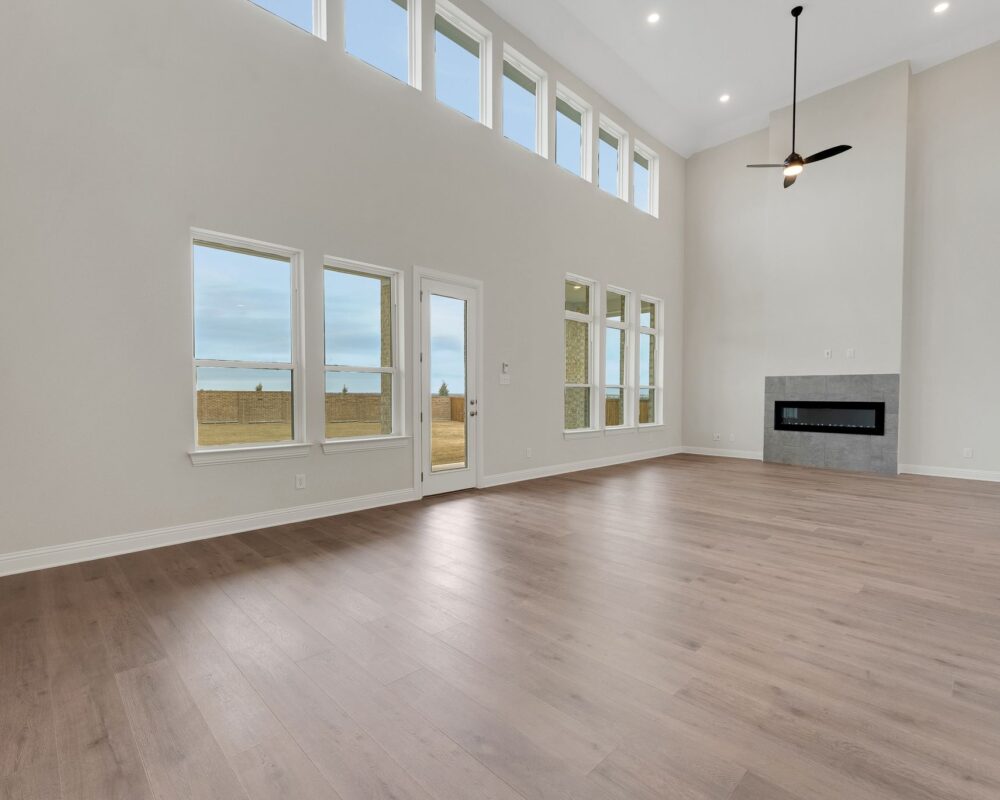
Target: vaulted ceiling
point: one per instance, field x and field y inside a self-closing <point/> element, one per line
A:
<point x="669" y="76"/>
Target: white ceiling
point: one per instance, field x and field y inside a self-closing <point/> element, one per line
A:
<point x="669" y="77"/>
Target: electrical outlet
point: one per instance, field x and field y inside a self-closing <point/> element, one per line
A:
<point x="828" y="353"/>
<point x="968" y="453"/>
<point x="732" y="437"/>
<point x="528" y="453"/>
<point x="716" y="437"/>
<point x="850" y="352"/>
<point x="300" y="481"/>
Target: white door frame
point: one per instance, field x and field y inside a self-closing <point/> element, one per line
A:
<point x="419" y="273"/>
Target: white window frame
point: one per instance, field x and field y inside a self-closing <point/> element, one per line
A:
<point x="398" y="435"/>
<point x="541" y="79"/>
<point x="318" y="18"/>
<point x="297" y="446"/>
<point x="627" y="327"/>
<point x="596" y="424"/>
<point x="413" y="42"/>
<point x="579" y="105"/>
<point x="657" y="332"/>
<point x="654" y="178"/>
<point x="484" y="37"/>
<point x="619" y="133"/>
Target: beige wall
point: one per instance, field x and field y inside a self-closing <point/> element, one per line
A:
<point x="126" y="123"/>
<point x="890" y="250"/>
<point x="951" y="371"/>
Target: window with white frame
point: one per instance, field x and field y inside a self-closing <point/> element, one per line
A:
<point x="650" y="380"/>
<point x="645" y="166"/>
<point x="612" y="142"/>
<point x="617" y="371"/>
<point x="248" y="381"/>
<point x="462" y="63"/>
<point x="306" y="14"/>
<point x="363" y="395"/>
<point x="524" y="102"/>
<point x="572" y="133"/>
<point x="580" y="386"/>
<point x="385" y="34"/>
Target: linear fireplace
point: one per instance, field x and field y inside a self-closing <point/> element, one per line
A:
<point x="825" y="416"/>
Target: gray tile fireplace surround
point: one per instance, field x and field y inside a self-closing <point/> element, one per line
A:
<point x="834" y="450"/>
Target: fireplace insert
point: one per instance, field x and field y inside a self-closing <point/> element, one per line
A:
<point x="825" y="416"/>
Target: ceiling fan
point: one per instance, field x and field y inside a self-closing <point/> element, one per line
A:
<point x="795" y="164"/>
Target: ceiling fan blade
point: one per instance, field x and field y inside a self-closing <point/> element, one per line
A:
<point x="789" y="180"/>
<point x="823" y="154"/>
<point x="764" y="166"/>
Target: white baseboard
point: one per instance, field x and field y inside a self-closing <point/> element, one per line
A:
<point x="576" y="466"/>
<point x="951" y="472"/>
<point x="75" y="552"/>
<point x="750" y="455"/>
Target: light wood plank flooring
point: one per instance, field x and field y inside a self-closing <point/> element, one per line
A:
<point x="683" y="628"/>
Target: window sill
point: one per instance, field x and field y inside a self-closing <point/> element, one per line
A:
<point x="234" y="455"/>
<point x="620" y="430"/>
<point x="334" y="446"/>
<point x="588" y="433"/>
<point x="650" y="426"/>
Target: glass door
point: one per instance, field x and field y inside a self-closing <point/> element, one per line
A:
<point x="449" y="406"/>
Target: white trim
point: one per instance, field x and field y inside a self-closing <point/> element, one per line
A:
<point x="624" y="151"/>
<point x="235" y="455"/>
<point x="319" y="19"/>
<point x="582" y="433"/>
<point x="415" y="61"/>
<point x="359" y="445"/>
<point x="654" y="178"/>
<point x="457" y="17"/>
<point x="618" y="430"/>
<point x="530" y="70"/>
<point x="75" y="552"/>
<point x="297" y="315"/>
<point x="575" y="466"/>
<point x="991" y="476"/>
<point x="586" y="130"/>
<point x="750" y="455"/>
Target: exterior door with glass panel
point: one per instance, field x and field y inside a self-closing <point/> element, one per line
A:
<point x="449" y="406"/>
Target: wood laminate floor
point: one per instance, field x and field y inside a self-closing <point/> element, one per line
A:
<point x="677" y="629"/>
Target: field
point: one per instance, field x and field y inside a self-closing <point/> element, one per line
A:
<point x="447" y="439"/>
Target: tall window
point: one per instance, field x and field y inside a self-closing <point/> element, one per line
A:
<point x="579" y="331"/>
<point x="305" y="14"/>
<point x="644" y="180"/>
<point x="523" y="102"/>
<point x="362" y="392"/>
<point x="461" y="58"/>
<point x="572" y="134"/>
<point x="616" y="361"/>
<point x="247" y="376"/>
<point x="383" y="34"/>
<point x="611" y="143"/>
<point x="650" y="386"/>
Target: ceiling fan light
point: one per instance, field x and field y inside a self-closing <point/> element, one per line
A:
<point x="793" y="169"/>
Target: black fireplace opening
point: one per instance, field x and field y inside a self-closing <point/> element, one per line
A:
<point x="824" y="416"/>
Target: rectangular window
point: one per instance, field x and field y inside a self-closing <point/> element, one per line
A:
<point x="305" y="14"/>
<point x="572" y="133"/>
<point x="650" y="381"/>
<point x="524" y="101"/>
<point x="383" y="33"/>
<point x="362" y="393"/>
<point x="617" y="325"/>
<point x="611" y="144"/>
<point x="246" y="351"/>
<point x="461" y="59"/>
<point x="580" y="386"/>
<point x="644" y="180"/>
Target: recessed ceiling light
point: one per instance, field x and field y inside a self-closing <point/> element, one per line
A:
<point x="653" y="18"/>
<point x="724" y="99"/>
<point x="940" y="8"/>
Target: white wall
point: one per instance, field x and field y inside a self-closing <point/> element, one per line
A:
<point x="951" y="371"/>
<point x="124" y="124"/>
<point x="890" y="249"/>
<point x="775" y="277"/>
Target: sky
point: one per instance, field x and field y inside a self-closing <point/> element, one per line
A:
<point x="447" y="354"/>
<point x="569" y="137"/>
